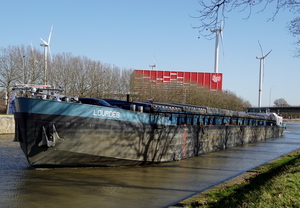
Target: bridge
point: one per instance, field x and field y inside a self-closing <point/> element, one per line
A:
<point x="287" y="112"/>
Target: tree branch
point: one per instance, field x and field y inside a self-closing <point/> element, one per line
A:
<point x="211" y="14"/>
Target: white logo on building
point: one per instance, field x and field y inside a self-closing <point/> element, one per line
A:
<point x="216" y="78"/>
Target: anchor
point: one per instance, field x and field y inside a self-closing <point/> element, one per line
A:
<point x="51" y="141"/>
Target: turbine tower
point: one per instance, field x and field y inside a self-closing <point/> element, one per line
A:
<point x="218" y="32"/>
<point x="261" y="68"/>
<point x="46" y="46"/>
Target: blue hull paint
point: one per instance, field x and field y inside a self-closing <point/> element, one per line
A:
<point x="51" y="107"/>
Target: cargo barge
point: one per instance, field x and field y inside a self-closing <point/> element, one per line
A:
<point x="60" y="131"/>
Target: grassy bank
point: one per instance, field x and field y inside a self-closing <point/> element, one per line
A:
<point x="274" y="185"/>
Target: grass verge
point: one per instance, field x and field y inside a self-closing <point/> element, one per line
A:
<point x="274" y="185"/>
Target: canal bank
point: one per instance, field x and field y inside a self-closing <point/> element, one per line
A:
<point x="240" y="179"/>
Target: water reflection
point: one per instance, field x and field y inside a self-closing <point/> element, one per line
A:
<point x="145" y="186"/>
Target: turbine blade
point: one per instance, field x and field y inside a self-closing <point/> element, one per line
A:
<point x="262" y="53"/>
<point x="267" y="53"/>
<point x="32" y="51"/>
<point x="49" y="38"/>
<point x="44" y="41"/>
<point x="33" y="54"/>
<point x="31" y="47"/>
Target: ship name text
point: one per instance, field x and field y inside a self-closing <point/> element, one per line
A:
<point x="105" y="113"/>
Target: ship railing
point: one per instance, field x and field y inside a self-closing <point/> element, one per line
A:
<point x="189" y="118"/>
<point x="34" y="91"/>
<point x="38" y="91"/>
<point x="33" y="86"/>
<point x="180" y="107"/>
<point x="185" y="113"/>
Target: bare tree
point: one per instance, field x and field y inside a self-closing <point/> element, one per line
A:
<point x="294" y="29"/>
<point x="126" y="79"/>
<point x="33" y="66"/>
<point x="11" y="66"/>
<point x="115" y="82"/>
<point x="80" y="76"/>
<point x="212" y="12"/>
<point x="98" y="80"/>
<point x="187" y="94"/>
<point x="281" y="103"/>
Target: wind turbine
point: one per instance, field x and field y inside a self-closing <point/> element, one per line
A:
<point x="46" y="46"/>
<point x="261" y="68"/>
<point x="218" y="32"/>
<point x="33" y="54"/>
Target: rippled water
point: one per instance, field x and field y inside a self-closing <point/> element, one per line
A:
<point x="144" y="186"/>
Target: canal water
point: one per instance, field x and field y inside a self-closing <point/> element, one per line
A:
<point x="159" y="185"/>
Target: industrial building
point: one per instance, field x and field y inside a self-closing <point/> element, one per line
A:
<point x="213" y="81"/>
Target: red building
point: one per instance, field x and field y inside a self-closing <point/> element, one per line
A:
<point x="211" y="80"/>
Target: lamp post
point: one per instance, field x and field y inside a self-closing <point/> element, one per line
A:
<point x="270" y="96"/>
<point x="24" y="76"/>
<point x="45" y="62"/>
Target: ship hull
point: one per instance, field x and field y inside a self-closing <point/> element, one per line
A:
<point x="81" y="141"/>
<point x="59" y="134"/>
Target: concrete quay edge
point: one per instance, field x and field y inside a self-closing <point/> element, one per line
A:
<point x="7" y="124"/>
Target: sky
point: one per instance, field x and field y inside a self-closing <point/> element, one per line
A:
<point x="134" y="34"/>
